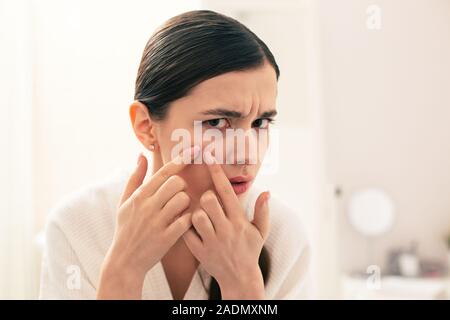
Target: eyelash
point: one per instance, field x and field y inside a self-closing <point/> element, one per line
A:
<point x="208" y="122"/>
<point x="269" y="121"/>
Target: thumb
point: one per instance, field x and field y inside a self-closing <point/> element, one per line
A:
<point x="261" y="215"/>
<point x="136" y="178"/>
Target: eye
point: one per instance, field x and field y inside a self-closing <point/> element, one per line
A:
<point x="262" y="123"/>
<point x="219" y="123"/>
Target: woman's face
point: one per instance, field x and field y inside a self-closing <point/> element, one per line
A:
<point x="236" y="100"/>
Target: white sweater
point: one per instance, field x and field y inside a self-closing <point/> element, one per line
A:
<point x="80" y="231"/>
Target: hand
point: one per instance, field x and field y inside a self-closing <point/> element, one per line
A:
<point x="149" y="222"/>
<point x="225" y="242"/>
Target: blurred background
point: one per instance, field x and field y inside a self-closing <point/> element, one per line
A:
<point x="364" y="113"/>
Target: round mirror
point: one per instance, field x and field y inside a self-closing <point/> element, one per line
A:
<point x="371" y="212"/>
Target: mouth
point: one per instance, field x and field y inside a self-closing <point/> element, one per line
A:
<point x="241" y="184"/>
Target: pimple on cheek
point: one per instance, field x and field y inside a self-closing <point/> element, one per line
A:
<point x="197" y="178"/>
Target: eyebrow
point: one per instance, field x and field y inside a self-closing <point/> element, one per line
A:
<point x="222" y="112"/>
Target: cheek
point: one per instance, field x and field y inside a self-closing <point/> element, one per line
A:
<point x="263" y="145"/>
<point x="163" y="134"/>
<point x="228" y="150"/>
<point x="171" y="140"/>
<point x="198" y="179"/>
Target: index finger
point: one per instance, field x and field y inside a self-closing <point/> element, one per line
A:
<point x="169" y="169"/>
<point x="223" y="186"/>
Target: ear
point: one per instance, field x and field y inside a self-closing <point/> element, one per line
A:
<point x="143" y="125"/>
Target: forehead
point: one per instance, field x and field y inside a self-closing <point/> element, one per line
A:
<point x="248" y="91"/>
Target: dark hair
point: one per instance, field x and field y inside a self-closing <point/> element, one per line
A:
<point x="190" y="48"/>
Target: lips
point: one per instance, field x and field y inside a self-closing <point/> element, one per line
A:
<point x="241" y="184"/>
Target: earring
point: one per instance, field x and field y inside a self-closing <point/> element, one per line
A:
<point x="151" y="147"/>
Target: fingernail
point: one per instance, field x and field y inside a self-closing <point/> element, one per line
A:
<point x="209" y="159"/>
<point x="268" y="196"/>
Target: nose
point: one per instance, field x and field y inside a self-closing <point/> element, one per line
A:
<point x="243" y="147"/>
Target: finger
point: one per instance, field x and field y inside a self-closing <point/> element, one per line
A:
<point x="193" y="242"/>
<point x="170" y="187"/>
<point x="136" y="178"/>
<point x="261" y="215"/>
<point x="211" y="205"/>
<point x="177" y="228"/>
<point x="175" y="206"/>
<point x="223" y="186"/>
<point x="169" y="169"/>
<point x="203" y="225"/>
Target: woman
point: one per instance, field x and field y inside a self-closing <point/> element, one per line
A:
<point x="185" y="229"/>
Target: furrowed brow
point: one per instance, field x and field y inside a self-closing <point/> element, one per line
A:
<point x="223" y="113"/>
<point x="268" y="114"/>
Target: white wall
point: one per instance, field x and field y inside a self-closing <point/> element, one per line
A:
<point x="16" y="127"/>
<point x="386" y="96"/>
